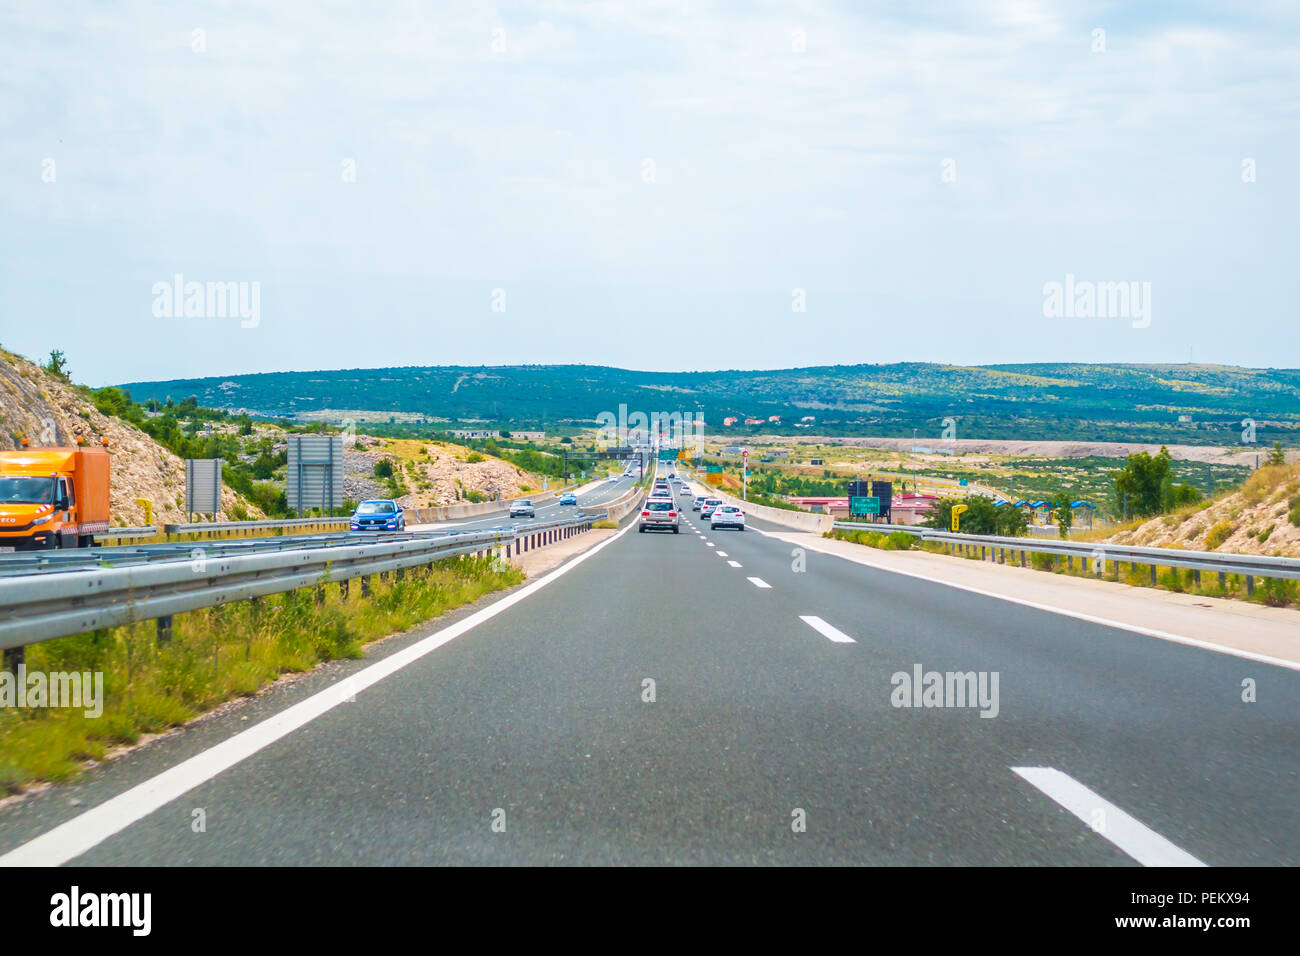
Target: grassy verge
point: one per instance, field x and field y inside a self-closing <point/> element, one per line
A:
<point x="1274" y="592"/>
<point x="214" y="656"/>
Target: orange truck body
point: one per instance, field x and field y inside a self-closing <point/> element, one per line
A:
<point x="81" y="473"/>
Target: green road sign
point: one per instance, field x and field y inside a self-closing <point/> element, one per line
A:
<point x="713" y="469"/>
<point x="964" y="483"/>
<point x="862" y="505"/>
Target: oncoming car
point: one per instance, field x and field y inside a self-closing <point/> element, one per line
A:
<point x="659" y="513"/>
<point x="568" y="498"/>
<point x="523" y="508"/>
<point x="380" y="514"/>
<point x="727" y="516"/>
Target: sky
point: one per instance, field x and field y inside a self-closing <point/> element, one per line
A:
<point x="653" y="185"/>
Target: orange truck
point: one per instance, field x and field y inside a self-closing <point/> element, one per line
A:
<point x="53" y="497"/>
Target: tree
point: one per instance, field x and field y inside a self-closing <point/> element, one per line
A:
<point x="1141" y="482"/>
<point x="57" y="365"/>
<point x="1277" y="456"/>
<point x="1063" y="513"/>
<point x="981" y="517"/>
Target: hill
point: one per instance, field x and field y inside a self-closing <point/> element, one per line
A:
<point x="48" y="411"/>
<point x="1260" y="517"/>
<point x="1061" y="402"/>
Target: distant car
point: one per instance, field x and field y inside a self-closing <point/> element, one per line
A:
<point x="696" y="503"/>
<point x="659" y="514"/>
<point x="727" y="516"/>
<point x="568" y="498"/>
<point x="378" y="514"/>
<point x="709" y="505"/>
<point x="523" y="508"/>
<point x="613" y="478"/>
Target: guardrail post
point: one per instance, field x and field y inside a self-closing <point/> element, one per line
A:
<point x="401" y="573"/>
<point x="343" y="589"/>
<point x="1250" y="584"/>
<point x="1153" y="574"/>
<point x="1196" y="576"/>
<point x="164" y="625"/>
<point x="13" y="658"/>
<point x="1069" y="562"/>
<point x="365" y="585"/>
<point x="1223" y="581"/>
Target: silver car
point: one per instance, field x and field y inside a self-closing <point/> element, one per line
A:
<point x="523" y="508"/>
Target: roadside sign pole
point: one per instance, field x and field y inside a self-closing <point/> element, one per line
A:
<point x="744" y="474"/>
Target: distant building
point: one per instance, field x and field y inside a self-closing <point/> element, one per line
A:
<point x="779" y="454"/>
<point x="475" y="433"/>
<point x="755" y="421"/>
<point x="775" y="419"/>
<point x="729" y="421"/>
<point x="808" y="418"/>
<point x="732" y="449"/>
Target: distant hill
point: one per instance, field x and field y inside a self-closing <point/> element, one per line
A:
<point x="1060" y="401"/>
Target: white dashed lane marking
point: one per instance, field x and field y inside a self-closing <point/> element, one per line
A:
<point x="1107" y="820"/>
<point x="825" y="630"/>
<point x="734" y="564"/>
<point x="759" y="583"/>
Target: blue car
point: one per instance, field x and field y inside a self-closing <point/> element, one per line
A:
<point x="380" y="514"/>
<point x="568" y="498"/>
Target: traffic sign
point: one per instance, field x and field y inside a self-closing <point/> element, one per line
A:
<point x="864" y="505"/>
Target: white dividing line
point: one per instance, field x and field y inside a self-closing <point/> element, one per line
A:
<point x="1133" y="837"/>
<point x="1065" y="612"/>
<point x="87" y="830"/>
<point x="721" y="554"/>
<point x="825" y="630"/>
<point x="758" y="582"/>
<point x="734" y="564"/>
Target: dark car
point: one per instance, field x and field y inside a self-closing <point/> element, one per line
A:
<point x="379" y="514"/>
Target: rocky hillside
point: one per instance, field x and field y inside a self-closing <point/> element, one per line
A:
<point x="47" y="411"/>
<point x="1262" y="517"/>
<point x="436" y="474"/>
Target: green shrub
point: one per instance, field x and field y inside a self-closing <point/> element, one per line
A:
<point x="383" y="468"/>
<point x="1220" y="533"/>
<point x="1279" y="592"/>
<point x="899" y="541"/>
<point x="473" y="458"/>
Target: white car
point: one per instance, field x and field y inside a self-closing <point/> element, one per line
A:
<point x="727" y="516"/>
<point x="659" y="513"/>
<point x="522" y="508"/>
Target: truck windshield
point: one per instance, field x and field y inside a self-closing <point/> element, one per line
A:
<point x="36" y="491"/>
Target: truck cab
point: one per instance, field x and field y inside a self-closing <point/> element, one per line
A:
<point x="53" y="497"/>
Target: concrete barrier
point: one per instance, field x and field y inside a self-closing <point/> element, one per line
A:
<point x="796" y="520"/>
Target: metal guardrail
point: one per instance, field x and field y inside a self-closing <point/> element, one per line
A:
<point x="57" y="602"/>
<point x="1250" y="566"/>
<point x="124" y="534"/>
<point x="203" y="527"/>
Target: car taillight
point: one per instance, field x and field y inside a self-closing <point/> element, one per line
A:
<point x="672" y="514"/>
<point x="645" y="514"/>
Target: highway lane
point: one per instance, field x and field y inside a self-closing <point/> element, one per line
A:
<point x="591" y="497"/>
<point x="539" y="712"/>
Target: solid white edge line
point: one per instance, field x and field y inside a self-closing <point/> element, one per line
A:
<point x="87" y="830"/>
<point x="1066" y="612"/>
<point x="825" y="630"/>
<point x="1129" y="834"/>
<point x="758" y="582"/>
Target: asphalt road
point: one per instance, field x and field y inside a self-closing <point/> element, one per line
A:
<point x="528" y="739"/>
